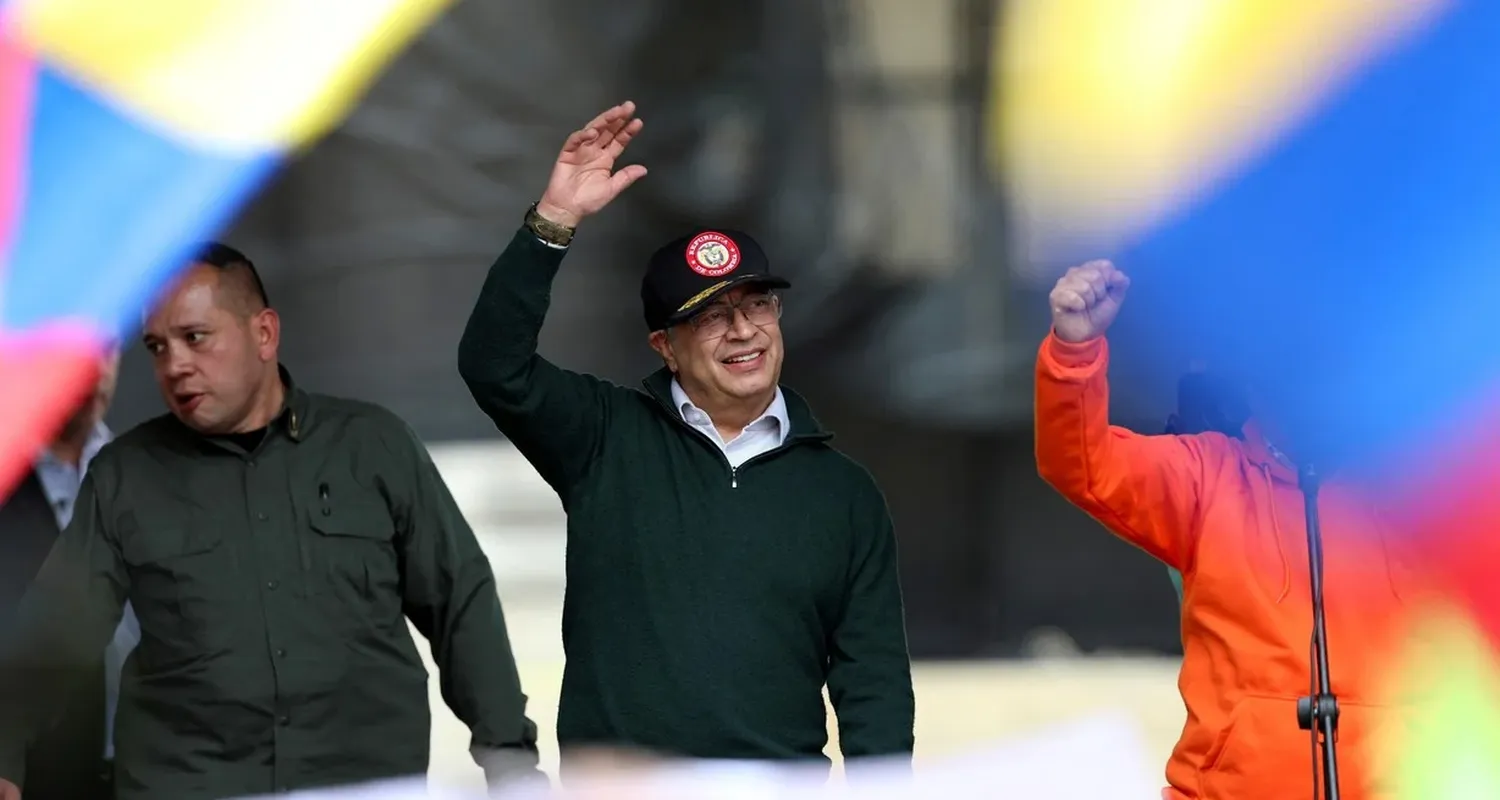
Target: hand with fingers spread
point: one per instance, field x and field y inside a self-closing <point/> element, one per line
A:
<point x="584" y="179"/>
<point x="1086" y="300"/>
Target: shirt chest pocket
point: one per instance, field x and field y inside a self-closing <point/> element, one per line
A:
<point x="353" y="560"/>
<point x="182" y="577"/>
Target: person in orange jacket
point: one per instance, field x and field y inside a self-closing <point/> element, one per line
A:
<point x="1206" y="402"/>
<point x="1229" y="516"/>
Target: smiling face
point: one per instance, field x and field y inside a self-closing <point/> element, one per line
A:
<point x="729" y="353"/>
<point x="212" y="349"/>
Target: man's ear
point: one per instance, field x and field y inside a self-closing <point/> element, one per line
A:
<point x="266" y="325"/>
<point x="662" y="344"/>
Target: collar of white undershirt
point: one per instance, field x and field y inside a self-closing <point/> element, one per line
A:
<point x="775" y="413"/>
<point x="98" y="436"/>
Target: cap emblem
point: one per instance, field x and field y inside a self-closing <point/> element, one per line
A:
<point x="712" y="254"/>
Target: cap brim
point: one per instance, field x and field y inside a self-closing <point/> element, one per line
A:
<point x="769" y="281"/>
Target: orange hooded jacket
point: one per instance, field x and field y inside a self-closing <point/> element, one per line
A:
<point x="1230" y="517"/>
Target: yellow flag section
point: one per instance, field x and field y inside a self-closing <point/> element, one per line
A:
<point x="1106" y="114"/>
<point x="229" y="74"/>
<point x="1448" y="680"/>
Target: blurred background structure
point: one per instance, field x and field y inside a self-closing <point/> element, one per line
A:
<point x="848" y="136"/>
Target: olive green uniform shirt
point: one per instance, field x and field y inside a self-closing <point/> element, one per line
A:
<point x="273" y="589"/>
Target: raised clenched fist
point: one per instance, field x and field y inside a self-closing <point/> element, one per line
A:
<point x="1086" y="300"/>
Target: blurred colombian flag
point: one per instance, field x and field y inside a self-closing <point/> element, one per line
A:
<point x="1313" y="188"/>
<point x="131" y="129"/>
<point x="1305" y="185"/>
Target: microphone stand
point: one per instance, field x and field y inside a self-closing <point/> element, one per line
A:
<point x="1319" y="712"/>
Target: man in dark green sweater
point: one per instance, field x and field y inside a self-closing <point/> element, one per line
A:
<point x="724" y="562"/>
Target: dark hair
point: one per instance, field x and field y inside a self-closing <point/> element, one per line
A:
<point x="1209" y="402"/>
<point x="231" y="261"/>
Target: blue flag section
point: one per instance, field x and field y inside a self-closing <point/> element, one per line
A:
<point x="1349" y="273"/>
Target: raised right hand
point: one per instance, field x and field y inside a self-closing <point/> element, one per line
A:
<point x="1086" y="300"/>
<point x="584" y="179"/>
<point x="9" y="791"/>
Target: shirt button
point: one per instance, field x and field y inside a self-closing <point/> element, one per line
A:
<point x="251" y="464"/>
<point x="284" y="721"/>
<point x="272" y="585"/>
<point x="261" y="516"/>
<point x="280" y="653"/>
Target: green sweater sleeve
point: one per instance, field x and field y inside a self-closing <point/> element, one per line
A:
<point x="555" y="417"/>
<point x="869" y="670"/>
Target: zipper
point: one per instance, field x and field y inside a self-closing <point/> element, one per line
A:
<point x="734" y="472"/>
<point x="734" y="482"/>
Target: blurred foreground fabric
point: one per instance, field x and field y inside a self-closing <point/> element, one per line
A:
<point x="1044" y="765"/>
<point x="1296" y="189"/>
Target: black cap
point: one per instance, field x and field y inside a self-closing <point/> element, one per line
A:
<point x="687" y="273"/>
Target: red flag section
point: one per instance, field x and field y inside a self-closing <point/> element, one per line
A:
<point x="44" y="375"/>
<point x="1451" y="501"/>
<point x="40" y="380"/>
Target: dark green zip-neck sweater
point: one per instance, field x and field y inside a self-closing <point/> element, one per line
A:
<point x="706" y="607"/>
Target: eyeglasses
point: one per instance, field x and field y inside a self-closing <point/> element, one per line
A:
<point x="716" y="320"/>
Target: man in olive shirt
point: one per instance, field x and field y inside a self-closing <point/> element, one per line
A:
<point x="273" y="544"/>
<point x="725" y="562"/>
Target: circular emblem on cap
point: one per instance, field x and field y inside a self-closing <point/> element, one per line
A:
<point x="712" y="254"/>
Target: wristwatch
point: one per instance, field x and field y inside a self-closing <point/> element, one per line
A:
<point x="547" y="230"/>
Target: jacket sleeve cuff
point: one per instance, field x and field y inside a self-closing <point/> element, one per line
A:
<point x="533" y="246"/>
<point x="506" y="766"/>
<point x="1073" y="355"/>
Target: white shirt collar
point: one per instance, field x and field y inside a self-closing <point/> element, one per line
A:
<point x="775" y="413"/>
<point x="61" y="481"/>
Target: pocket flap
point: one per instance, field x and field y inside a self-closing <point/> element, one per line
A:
<point x="153" y="543"/>
<point x="362" y="519"/>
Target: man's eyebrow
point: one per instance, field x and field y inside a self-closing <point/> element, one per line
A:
<point x="183" y="328"/>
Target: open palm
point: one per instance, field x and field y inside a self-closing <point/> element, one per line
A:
<point x="584" y="179"/>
